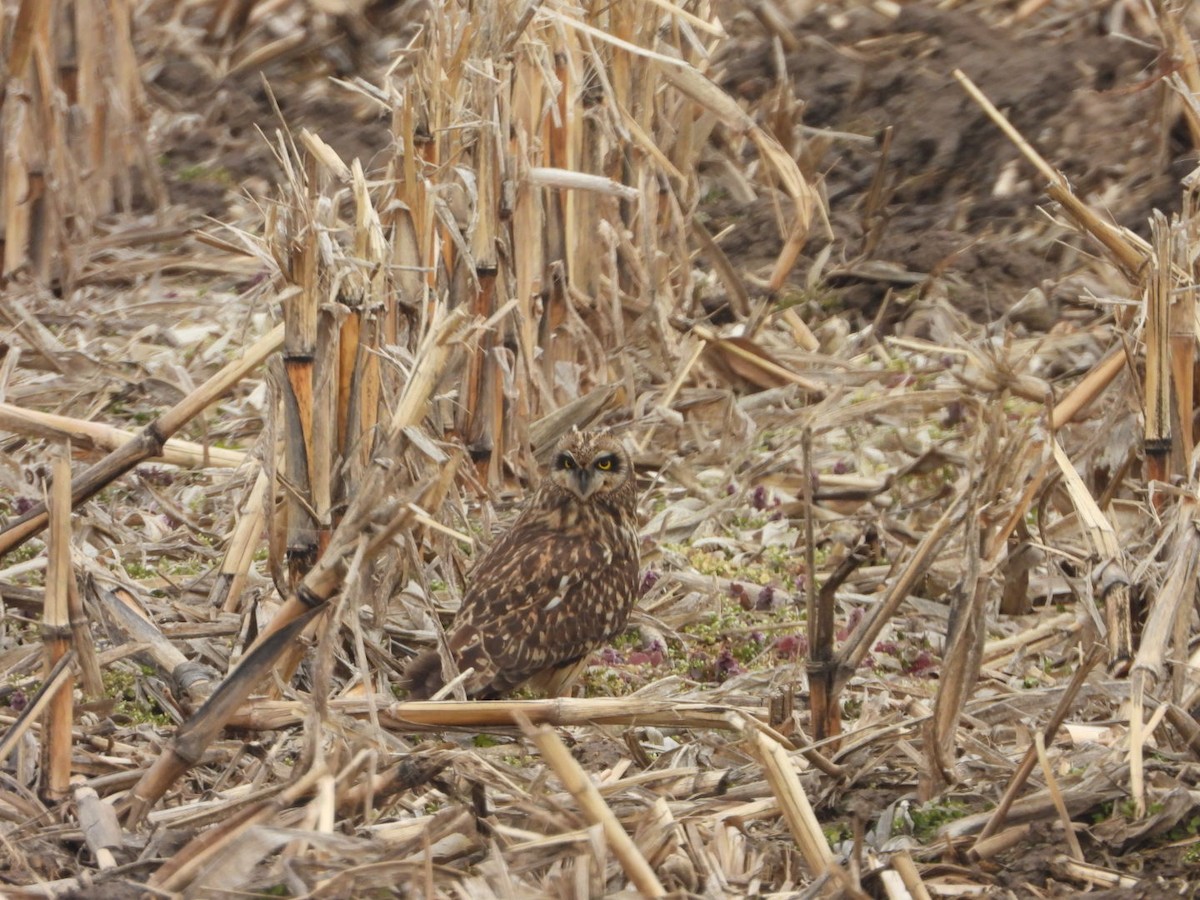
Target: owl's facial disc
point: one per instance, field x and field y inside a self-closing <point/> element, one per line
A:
<point x="585" y="479"/>
<point x="603" y="471"/>
<point x="570" y="474"/>
<point x="583" y="484"/>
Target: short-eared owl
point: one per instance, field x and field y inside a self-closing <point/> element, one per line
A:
<point x="557" y="584"/>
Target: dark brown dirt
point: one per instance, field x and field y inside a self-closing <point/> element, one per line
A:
<point x="213" y="155"/>
<point x="1030" y="865"/>
<point x="860" y="72"/>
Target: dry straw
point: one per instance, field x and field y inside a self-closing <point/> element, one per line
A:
<point x="522" y="259"/>
<point x="470" y="141"/>
<point x="73" y="122"/>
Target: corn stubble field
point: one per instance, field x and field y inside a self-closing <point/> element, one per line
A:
<point x="892" y="303"/>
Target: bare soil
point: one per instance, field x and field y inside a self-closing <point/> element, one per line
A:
<point x="954" y="199"/>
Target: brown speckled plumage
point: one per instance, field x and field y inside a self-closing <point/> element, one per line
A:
<point x="558" y="583"/>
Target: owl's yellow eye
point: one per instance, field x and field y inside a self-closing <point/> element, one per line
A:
<point x="565" y="462"/>
<point x="605" y="464"/>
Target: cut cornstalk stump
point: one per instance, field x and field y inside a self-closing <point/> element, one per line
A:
<point x="57" y="634"/>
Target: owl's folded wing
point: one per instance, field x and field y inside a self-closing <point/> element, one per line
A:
<point x="544" y="608"/>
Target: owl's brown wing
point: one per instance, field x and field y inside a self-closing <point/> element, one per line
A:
<point x="541" y="599"/>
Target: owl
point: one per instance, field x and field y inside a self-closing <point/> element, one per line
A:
<point x="561" y="581"/>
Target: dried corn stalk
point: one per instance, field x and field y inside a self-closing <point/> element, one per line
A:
<point x="544" y="178"/>
<point x="72" y="127"/>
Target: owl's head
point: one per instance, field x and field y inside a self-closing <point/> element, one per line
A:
<point x="592" y="465"/>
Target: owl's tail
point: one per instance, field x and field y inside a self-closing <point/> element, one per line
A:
<point x="423" y="677"/>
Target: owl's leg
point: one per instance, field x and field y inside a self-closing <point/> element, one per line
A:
<point x="558" y="681"/>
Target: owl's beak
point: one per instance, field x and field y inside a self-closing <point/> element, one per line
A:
<point x="583" y="483"/>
